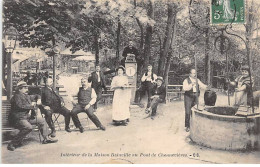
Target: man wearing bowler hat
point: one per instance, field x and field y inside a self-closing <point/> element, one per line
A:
<point x="21" y="119"/>
<point x="158" y="96"/>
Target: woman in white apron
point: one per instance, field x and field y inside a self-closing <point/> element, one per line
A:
<point x="122" y="96"/>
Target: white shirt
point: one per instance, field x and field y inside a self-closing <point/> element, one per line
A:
<point x="149" y="77"/>
<point x="187" y="86"/>
<point x="98" y="74"/>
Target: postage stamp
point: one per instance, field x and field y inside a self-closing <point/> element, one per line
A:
<point x="227" y="11"/>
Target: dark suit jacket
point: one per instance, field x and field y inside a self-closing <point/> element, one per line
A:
<point x="21" y="104"/>
<point x="139" y="59"/>
<point x="161" y="91"/>
<point x="51" y="98"/>
<point x="95" y="83"/>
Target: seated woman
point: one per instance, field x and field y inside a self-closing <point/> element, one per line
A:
<point x="243" y="92"/>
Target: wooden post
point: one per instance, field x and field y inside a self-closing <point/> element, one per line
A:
<point x="54" y="71"/>
<point x="197" y="86"/>
<point x="118" y="41"/>
<point x="227" y="78"/>
<point x="9" y="86"/>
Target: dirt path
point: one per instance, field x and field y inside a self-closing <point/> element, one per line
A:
<point x="162" y="140"/>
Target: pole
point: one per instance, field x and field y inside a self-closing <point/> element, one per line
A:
<point x="250" y="76"/>
<point x="118" y="40"/>
<point x="227" y="76"/>
<point x="9" y="86"/>
<point x="197" y="86"/>
<point x="54" y="72"/>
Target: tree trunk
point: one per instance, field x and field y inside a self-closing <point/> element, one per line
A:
<point x="207" y="68"/>
<point x="249" y="33"/>
<point x="141" y="31"/>
<point x="118" y="41"/>
<point x="96" y="45"/>
<point x="167" y="39"/>
<point x="168" y="63"/>
<point x="148" y="37"/>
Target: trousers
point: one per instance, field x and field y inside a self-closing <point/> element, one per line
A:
<point x="25" y="127"/>
<point x="153" y="103"/>
<point x="99" y="96"/>
<point x="189" y="102"/>
<point x="61" y="110"/>
<point x="81" y="108"/>
<point x="147" y="87"/>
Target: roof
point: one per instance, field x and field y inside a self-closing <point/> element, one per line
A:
<point x="21" y="54"/>
<point x="77" y="53"/>
<point x="85" y="58"/>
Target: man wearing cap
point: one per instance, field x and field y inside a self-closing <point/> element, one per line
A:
<point x="158" y="96"/>
<point x="52" y="102"/>
<point x="98" y="82"/>
<point x="190" y="95"/>
<point x="86" y="99"/>
<point x="20" y="117"/>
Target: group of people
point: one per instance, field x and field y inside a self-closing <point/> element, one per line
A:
<point x="36" y="79"/>
<point x="24" y="107"/>
<point x="243" y="92"/>
<point x="28" y="109"/>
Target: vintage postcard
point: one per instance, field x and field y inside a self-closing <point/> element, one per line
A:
<point x="130" y="82"/>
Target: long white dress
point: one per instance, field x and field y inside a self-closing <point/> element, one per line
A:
<point x="121" y="100"/>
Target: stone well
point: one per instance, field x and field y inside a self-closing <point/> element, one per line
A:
<point x="218" y="127"/>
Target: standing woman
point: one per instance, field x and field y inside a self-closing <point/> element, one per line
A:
<point x="122" y="96"/>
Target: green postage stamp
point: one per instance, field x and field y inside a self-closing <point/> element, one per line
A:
<point x="227" y="11"/>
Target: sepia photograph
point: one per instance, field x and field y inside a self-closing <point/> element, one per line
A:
<point x="130" y="82"/>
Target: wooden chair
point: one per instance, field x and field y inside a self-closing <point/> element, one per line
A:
<point x="56" y="121"/>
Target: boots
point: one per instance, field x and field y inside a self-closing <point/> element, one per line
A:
<point x="10" y="147"/>
<point x="53" y="133"/>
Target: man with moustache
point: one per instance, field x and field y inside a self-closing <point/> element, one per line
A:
<point x="86" y="99"/>
<point x="52" y="102"/>
<point x="190" y="98"/>
<point x="21" y="119"/>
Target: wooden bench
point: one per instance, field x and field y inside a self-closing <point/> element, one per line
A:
<point x="107" y="96"/>
<point x="6" y="108"/>
<point x="174" y="92"/>
<point x="6" y="128"/>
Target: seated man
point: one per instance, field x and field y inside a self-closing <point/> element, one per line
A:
<point x="20" y="118"/>
<point x="52" y="102"/>
<point x="158" y="96"/>
<point x="86" y="99"/>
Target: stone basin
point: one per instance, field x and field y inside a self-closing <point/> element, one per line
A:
<point x="217" y="127"/>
